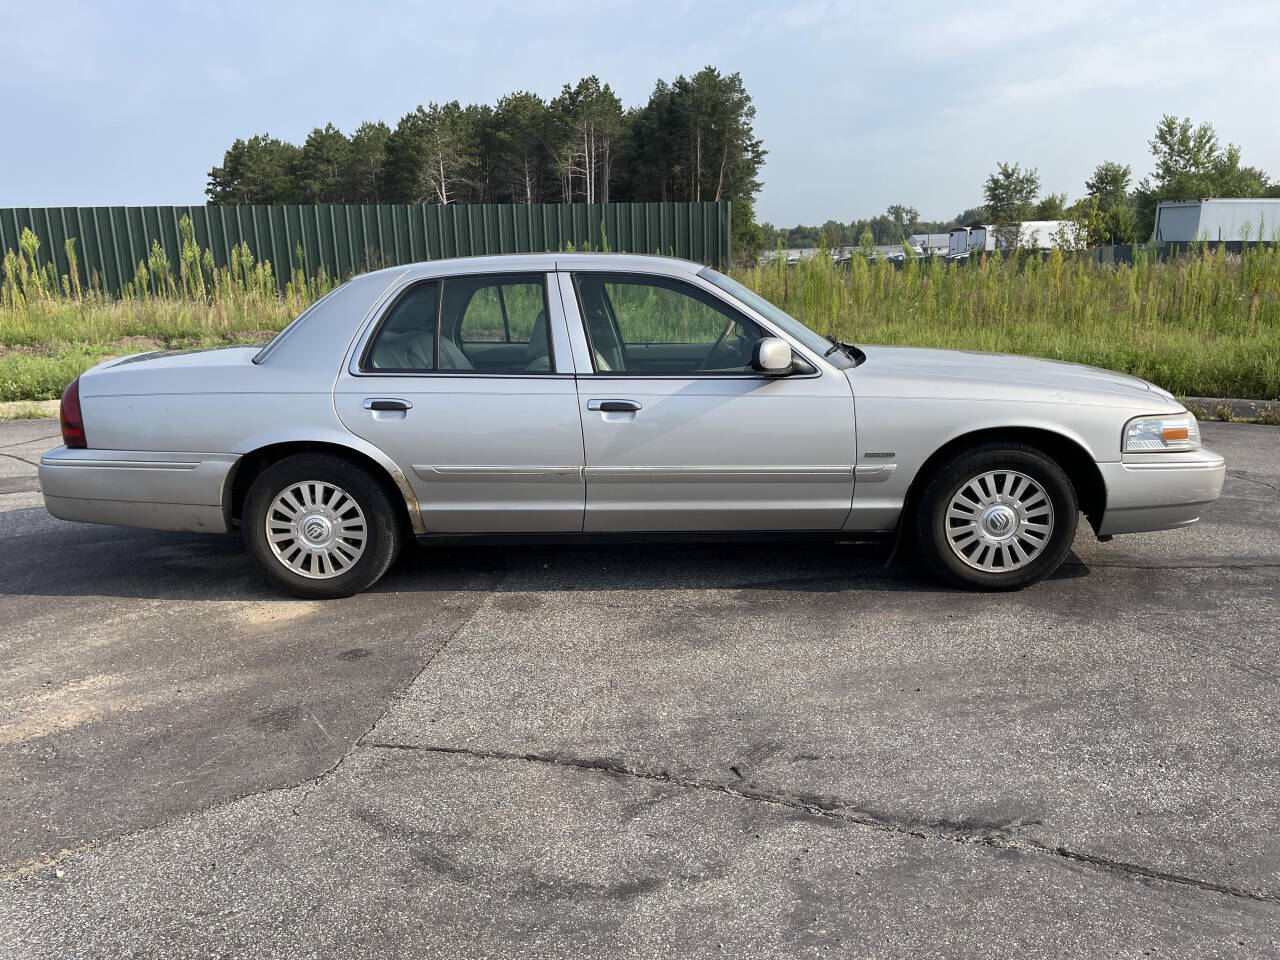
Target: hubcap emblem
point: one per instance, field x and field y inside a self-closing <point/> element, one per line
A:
<point x="999" y="521"/>
<point x="315" y="529"/>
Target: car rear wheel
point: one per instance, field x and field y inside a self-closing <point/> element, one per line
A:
<point x="320" y="527"/>
<point x="998" y="517"/>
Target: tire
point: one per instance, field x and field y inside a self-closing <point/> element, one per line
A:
<point x="981" y="518"/>
<point x="341" y="538"/>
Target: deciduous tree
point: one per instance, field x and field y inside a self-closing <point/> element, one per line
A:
<point x="1011" y="198"/>
<point x="1112" y="218"/>
<point x="904" y="220"/>
<point x="1191" y="164"/>
<point x="1052" y="206"/>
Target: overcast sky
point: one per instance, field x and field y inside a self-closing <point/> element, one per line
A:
<point x="859" y="104"/>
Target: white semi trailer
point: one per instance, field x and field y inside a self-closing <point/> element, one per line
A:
<point x="1223" y="218"/>
<point x="1032" y="235"/>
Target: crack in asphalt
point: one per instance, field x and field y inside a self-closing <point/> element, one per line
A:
<point x="16" y="871"/>
<point x="314" y="783"/>
<point x="1262" y="483"/>
<point x="834" y="809"/>
<point x="19" y="443"/>
<point x="1172" y="566"/>
<point x="826" y="807"/>
<point x="14" y="456"/>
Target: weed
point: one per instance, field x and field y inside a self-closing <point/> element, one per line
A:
<point x="1204" y="324"/>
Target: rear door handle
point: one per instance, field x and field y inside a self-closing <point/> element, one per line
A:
<point x="386" y="403"/>
<point x="613" y="406"/>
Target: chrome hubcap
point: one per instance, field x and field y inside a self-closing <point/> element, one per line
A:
<point x="999" y="521"/>
<point x="316" y="529"/>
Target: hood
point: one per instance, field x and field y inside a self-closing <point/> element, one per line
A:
<point x="967" y="375"/>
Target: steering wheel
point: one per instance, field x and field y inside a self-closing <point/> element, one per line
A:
<point x="715" y="347"/>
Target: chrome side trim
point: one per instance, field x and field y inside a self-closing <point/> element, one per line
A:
<point x="499" y="474"/>
<point x="121" y="464"/>
<point x="807" y="474"/>
<point x="1200" y="463"/>
<point x="874" y="472"/>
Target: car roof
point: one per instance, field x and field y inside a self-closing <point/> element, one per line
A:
<point x="545" y="262"/>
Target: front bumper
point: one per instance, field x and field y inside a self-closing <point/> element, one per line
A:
<point x="132" y="488"/>
<point x="1157" y="491"/>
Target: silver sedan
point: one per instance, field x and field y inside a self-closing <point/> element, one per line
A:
<point x="612" y="395"/>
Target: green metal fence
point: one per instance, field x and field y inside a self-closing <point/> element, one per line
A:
<point x="347" y="239"/>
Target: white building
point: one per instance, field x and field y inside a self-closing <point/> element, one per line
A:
<point x="1217" y="219"/>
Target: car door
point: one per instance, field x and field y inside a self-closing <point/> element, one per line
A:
<point x="681" y="433"/>
<point x="465" y="382"/>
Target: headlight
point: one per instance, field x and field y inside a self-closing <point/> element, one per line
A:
<point x="1156" y="434"/>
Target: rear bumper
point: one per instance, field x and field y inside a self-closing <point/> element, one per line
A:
<point x="131" y="488"/>
<point x="1160" y="490"/>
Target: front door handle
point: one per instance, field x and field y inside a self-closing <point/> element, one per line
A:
<point x="613" y="406"/>
<point x="387" y="403"/>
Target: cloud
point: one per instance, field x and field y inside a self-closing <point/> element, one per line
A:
<point x="860" y="104"/>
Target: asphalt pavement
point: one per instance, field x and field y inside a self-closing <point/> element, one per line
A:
<point x="777" y="749"/>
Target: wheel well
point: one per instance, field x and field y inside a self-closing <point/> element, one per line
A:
<point x="252" y="464"/>
<point x="1074" y="459"/>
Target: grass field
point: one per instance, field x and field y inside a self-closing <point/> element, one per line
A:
<point x="1207" y="324"/>
<point x="1203" y="325"/>
<point x="51" y="329"/>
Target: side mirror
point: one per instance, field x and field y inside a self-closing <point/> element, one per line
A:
<point x="772" y="356"/>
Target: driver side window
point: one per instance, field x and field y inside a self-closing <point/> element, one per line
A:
<point x="656" y="326"/>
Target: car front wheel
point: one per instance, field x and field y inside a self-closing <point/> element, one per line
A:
<point x="320" y="527"/>
<point x="998" y="517"/>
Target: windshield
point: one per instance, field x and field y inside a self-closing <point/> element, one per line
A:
<point x="814" y="341"/>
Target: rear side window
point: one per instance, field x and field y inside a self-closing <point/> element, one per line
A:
<point x="503" y="313"/>
<point x="406" y="340"/>
<point x="472" y="324"/>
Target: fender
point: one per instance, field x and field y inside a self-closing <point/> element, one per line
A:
<point x="338" y="438"/>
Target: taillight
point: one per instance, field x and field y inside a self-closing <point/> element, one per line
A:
<point x="69" y="414"/>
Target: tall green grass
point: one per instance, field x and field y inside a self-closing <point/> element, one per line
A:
<point x="1205" y="324"/>
<point x="54" y="327"/>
